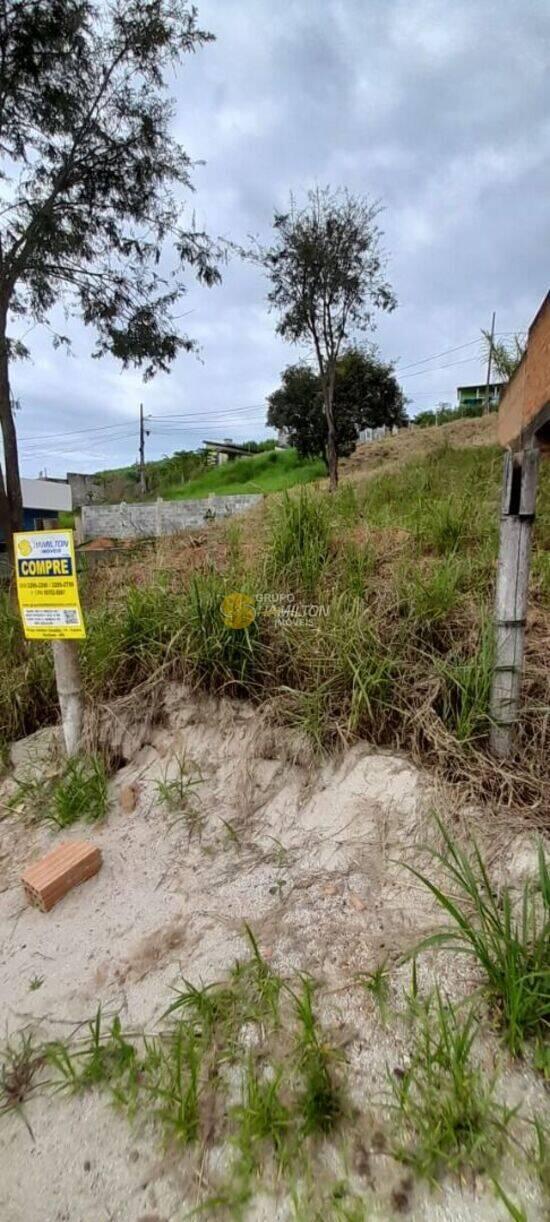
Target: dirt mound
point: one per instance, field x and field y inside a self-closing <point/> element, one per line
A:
<point x="309" y="855"/>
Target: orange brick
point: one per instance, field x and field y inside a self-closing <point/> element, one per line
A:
<point x="48" y="880"/>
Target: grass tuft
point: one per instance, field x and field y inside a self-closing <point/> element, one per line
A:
<point x="79" y="792"/>
<point x="511" y="946"/>
<point x="445" y="1109"/>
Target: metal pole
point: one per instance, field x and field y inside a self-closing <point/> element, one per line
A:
<point x="519" y="493"/>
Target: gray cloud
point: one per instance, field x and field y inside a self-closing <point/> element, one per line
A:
<point x="439" y="109"/>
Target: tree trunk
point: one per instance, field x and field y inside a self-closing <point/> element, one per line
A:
<point x="5" y="520"/>
<point x="13" y="483"/>
<point x="332" y="450"/>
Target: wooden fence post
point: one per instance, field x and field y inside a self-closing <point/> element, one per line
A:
<point x="519" y="494"/>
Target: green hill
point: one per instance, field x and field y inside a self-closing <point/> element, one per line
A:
<point x="271" y="471"/>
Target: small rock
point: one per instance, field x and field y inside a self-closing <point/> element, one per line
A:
<point x="356" y="902"/>
<point x="330" y="889"/>
<point x="128" y="797"/>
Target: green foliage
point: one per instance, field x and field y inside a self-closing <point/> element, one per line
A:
<point x="466" y="690"/>
<point x="511" y="947"/>
<point x="215" y="653"/>
<point x="79" y="792"/>
<point x="445" y="1109"/>
<point x="326" y="274"/>
<point x="377" y="983"/>
<point x="366" y="395"/>
<point x="177" y="792"/>
<point x="298" y="548"/>
<point x="268" y="471"/>
<point x="94" y="198"/>
<point x="27" y="685"/>
<point x="184" y="1077"/>
<point x="321" y="1102"/>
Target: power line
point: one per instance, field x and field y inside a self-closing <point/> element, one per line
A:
<point x="436" y="355"/>
<point x="465" y="361"/>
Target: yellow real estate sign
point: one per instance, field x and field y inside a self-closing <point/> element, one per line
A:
<point x="46" y="585"/>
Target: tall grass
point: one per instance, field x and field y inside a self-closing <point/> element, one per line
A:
<point x="401" y="570"/>
<point x="299" y="543"/>
<point x="510" y="945"/>
<point x="270" y="471"/>
<point x="445" y="1107"/>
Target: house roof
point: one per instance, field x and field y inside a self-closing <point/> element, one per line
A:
<point x="227" y="447"/>
<point x="47" y="494"/>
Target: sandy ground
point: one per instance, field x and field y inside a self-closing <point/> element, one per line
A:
<point x="310" y="860"/>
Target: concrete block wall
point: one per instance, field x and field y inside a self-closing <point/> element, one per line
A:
<point x="158" y="518"/>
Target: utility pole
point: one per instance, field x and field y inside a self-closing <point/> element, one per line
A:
<point x="143" y="433"/>
<point x="489" y="363"/>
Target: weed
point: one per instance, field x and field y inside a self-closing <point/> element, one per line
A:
<point x="467" y="689"/>
<point x="337" y="1203"/>
<point x="516" y="1211"/>
<point x="103" y="1057"/>
<point x="80" y="792"/>
<point x="20" y="1062"/>
<point x="445" y="1107"/>
<point x="430" y="598"/>
<point x="541" y="1157"/>
<point x="444" y="523"/>
<point x="216" y="654"/>
<point x="35" y="983"/>
<point x="174" y="1087"/>
<point x="358" y="562"/>
<point x="299" y="542"/>
<point x="513" y="950"/>
<point x="321" y="1101"/>
<point x="261" y="1118"/>
<point x="377" y="983"/>
<point x="178" y="792"/>
<point x="345" y="503"/>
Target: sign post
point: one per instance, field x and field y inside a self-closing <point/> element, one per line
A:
<point x="47" y="591"/>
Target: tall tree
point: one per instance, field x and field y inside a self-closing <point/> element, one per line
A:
<point x="326" y="270"/>
<point x="91" y="184"/>
<point x="366" y="395"/>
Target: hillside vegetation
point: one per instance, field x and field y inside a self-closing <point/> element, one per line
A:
<point x="372" y="616"/>
<point x="271" y="471"/>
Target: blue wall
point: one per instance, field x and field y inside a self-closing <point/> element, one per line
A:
<point x="30" y="518"/>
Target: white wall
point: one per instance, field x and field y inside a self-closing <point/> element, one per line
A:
<point x="46" y="494"/>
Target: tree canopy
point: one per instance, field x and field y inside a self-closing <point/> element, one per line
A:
<point x="92" y="183"/>
<point x="366" y="395"/>
<point x="326" y="272"/>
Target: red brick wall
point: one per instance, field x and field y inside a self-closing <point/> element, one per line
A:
<point x="528" y="392"/>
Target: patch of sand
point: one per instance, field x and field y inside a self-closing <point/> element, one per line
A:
<point x="310" y="857"/>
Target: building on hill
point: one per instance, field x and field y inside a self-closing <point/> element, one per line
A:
<point x="474" y="396"/>
<point x="218" y="452"/>
<point x="86" y="489"/>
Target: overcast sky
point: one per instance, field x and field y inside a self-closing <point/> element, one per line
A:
<point x="438" y="108"/>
